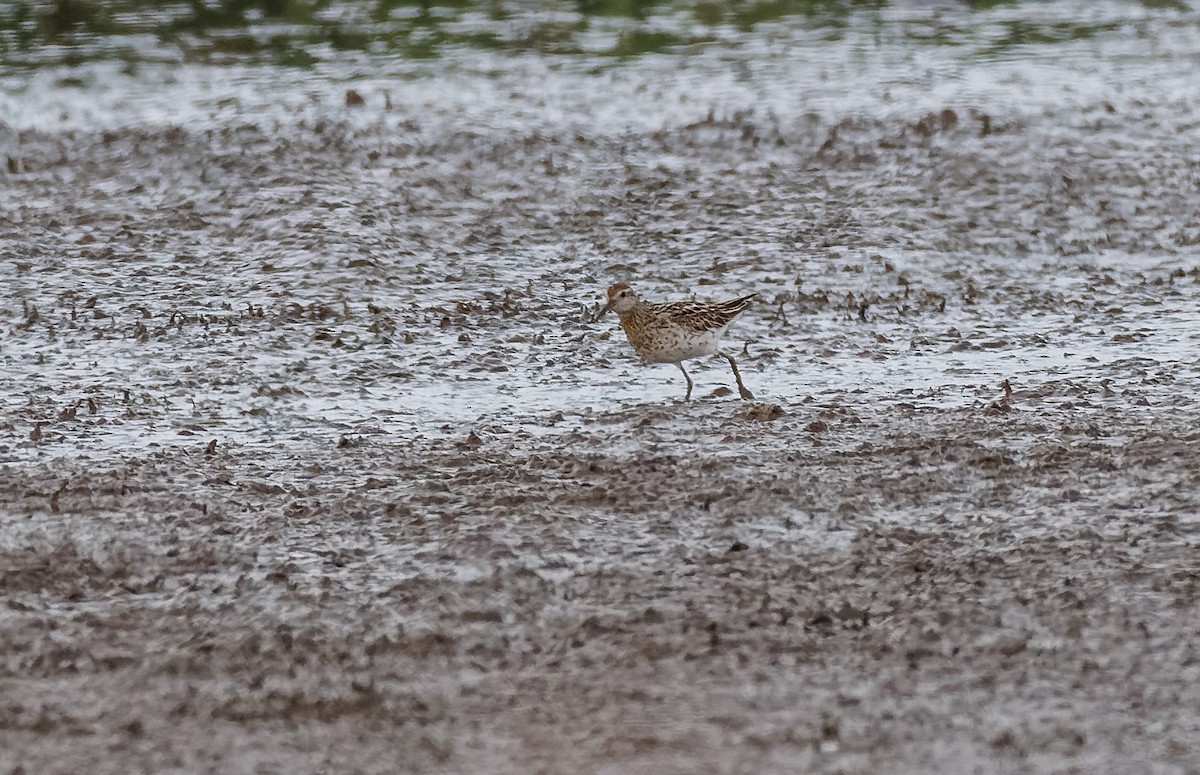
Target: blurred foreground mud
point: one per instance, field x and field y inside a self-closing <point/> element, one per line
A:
<point x="311" y="460"/>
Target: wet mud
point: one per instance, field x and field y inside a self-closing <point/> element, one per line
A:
<point x="314" y="460"/>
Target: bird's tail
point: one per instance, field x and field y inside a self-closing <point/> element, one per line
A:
<point x="734" y="306"/>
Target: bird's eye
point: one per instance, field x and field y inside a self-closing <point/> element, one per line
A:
<point x="623" y="293"/>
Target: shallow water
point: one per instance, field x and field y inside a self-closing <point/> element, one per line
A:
<point x="307" y="434"/>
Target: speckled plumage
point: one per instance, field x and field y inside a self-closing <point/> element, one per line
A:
<point x="674" y="331"/>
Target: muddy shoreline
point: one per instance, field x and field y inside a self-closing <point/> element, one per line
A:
<point x="962" y="591"/>
<point x="312" y="460"/>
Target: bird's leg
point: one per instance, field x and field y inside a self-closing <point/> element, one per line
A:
<point x="742" y="391"/>
<point x="687" y="397"/>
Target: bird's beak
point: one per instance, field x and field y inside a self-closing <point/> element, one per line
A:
<point x="604" y="310"/>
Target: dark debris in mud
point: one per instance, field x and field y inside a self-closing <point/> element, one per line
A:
<point x="308" y="442"/>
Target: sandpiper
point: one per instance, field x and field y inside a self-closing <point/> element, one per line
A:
<point x="675" y="331"/>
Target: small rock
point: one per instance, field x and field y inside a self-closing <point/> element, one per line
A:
<point x="998" y="407"/>
<point x="1007" y="644"/>
<point x="764" y="412"/>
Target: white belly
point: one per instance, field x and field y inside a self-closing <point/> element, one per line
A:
<point x="676" y="346"/>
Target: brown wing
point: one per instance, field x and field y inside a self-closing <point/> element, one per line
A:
<point x="700" y="316"/>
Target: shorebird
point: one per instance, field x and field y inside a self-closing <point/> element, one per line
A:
<point x="674" y="331"/>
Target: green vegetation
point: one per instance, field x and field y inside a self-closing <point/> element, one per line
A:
<point x="292" y="32"/>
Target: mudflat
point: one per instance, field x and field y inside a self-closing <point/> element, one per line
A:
<point x="313" y="458"/>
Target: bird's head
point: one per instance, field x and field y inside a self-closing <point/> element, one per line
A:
<point x="620" y="298"/>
